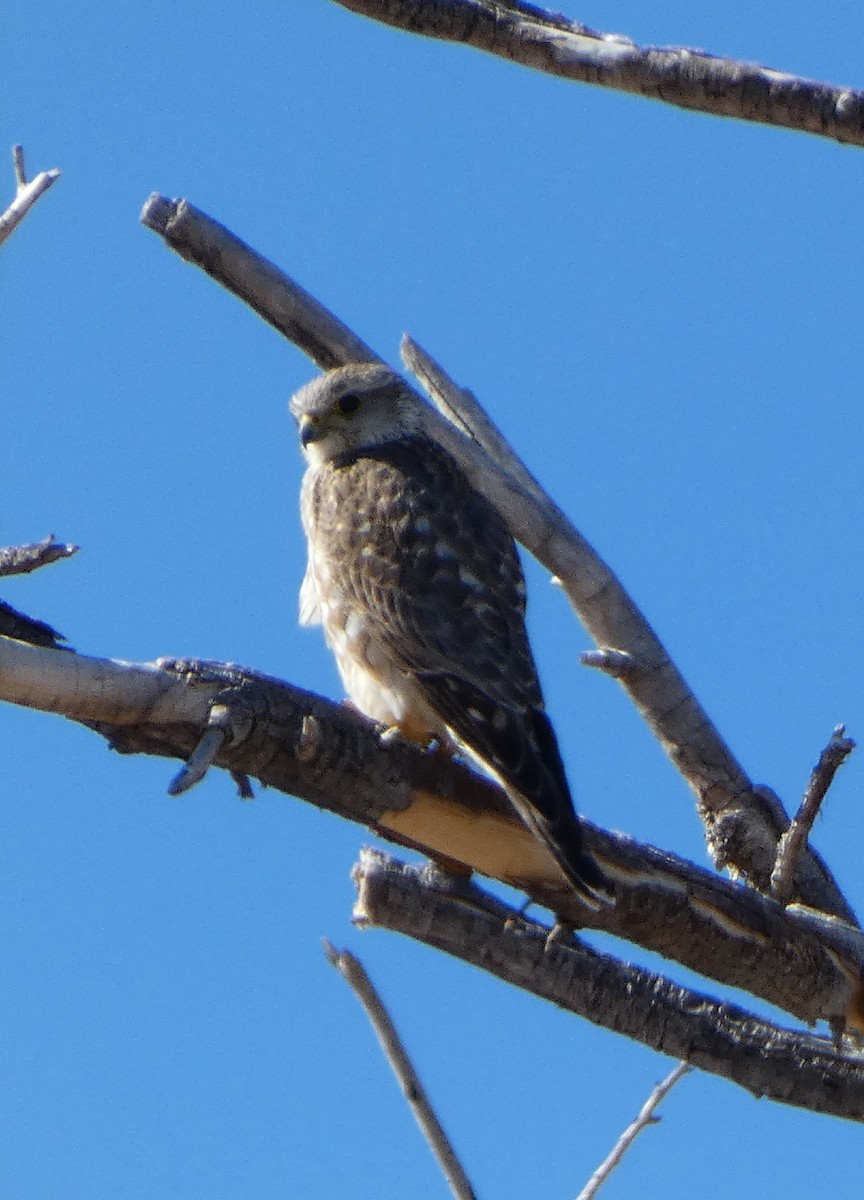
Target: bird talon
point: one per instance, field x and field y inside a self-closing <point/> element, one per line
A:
<point x="561" y="934"/>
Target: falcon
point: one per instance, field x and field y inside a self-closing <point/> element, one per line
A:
<point x="417" y="583"/>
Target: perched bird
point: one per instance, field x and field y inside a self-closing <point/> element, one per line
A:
<point x="417" y="583"/>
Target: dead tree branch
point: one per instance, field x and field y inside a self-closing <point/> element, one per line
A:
<point x="26" y="194"/>
<point x="327" y="755"/>
<point x="20" y="560"/>
<point x="794" y="840"/>
<point x="15" y="624"/>
<point x="644" y="1119"/>
<point x="256" y="281"/>
<point x="791" y="1068"/>
<point x="677" y="75"/>
<point x="354" y="973"/>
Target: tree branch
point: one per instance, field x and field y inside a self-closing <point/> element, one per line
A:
<point x="743" y="822"/>
<point x="677" y="75"/>
<point x="794" y="840"/>
<point x="20" y="560"/>
<point x="352" y="970"/>
<point x="792" y="1068"/>
<point x="15" y="624"/>
<point x="327" y="755"/>
<point x="256" y="281"/>
<point x="645" y="1118"/>
<point x="26" y="194"/>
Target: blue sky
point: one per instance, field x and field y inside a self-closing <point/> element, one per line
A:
<point x="662" y="310"/>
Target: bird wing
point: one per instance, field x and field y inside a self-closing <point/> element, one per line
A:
<point x="433" y="569"/>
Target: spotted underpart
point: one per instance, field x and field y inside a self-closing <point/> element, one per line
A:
<point x="396" y="599"/>
<point x="417" y="583"/>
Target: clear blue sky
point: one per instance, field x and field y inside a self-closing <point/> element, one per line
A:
<point x="664" y="312"/>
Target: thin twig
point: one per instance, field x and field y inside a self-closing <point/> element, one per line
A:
<point x="679" y="75"/>
<point x="794" y="840"/>
<point x="644" y="1119"/>
<point x="18" y="166"/>
<point x="353" y="972"/>
<point x="26" y="193"/>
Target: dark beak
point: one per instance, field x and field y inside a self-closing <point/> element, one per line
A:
<point x="309" y="432"/>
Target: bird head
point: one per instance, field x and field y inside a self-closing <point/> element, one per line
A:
<point x="352" y="409"/>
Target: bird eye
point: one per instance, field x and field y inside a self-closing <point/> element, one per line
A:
<point x="348" y="404"/>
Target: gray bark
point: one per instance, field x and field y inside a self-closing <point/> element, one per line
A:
<point x="677" y="75"/>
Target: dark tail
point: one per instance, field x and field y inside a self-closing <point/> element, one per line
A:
<point x="550" y="814"/>
<point x="520" y="748"/>
<point x="563" y="840"/>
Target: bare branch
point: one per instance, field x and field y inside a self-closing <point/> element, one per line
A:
<point x="794" y="840"/>
<point x="677" y="75"/>
<point x="616" y="663"/>
<point x="645" y="1118"/>
<point x="20" y="560"/>
<point x="605" y="608"/>
<point x="461" y="407"/>
<point x="305" y="746"/>
<point x="789" y="1067"/>
<point x="98" y="689"/>
<point x="352" y="970"/>
<point x="252" y="278"/>
<point x="15" y="624"/>
<point x="26" y="194"/>
<point x="18" y="166"/>
<point x="743" y="822"/>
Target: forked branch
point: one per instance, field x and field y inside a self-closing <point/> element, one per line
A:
<point x="26" y="194"/>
